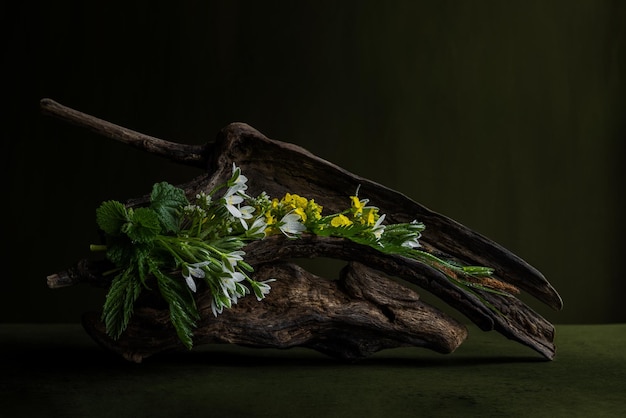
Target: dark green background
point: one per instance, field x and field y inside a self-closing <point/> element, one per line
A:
<point x="507" y="116"/>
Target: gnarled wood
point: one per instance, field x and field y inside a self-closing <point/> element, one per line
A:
<point x="278" y="167"/>
<point x="351" y="318"/>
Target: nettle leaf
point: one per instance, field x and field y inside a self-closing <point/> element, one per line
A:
<point x="119" y="304"/>
<point x="111" y="217"/>
<point x="144" y="225"/>
<point x="183" y="310"/>
<point x="167" y="201"/>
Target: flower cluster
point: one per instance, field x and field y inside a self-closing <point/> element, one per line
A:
<point x="365" y="217"/>
<point x="204" y="241"/>
<point x="208" y="244"/>
<point x="291" y="215"/>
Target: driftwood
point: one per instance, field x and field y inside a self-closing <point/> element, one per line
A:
<point x="363" y="312"/>
<point x="349" y="318"/>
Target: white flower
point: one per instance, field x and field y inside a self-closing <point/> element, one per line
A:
<point x="291" y="226"/>
<point x="257" y="228"/>
<point x="236" y="190"/>
<point x="238" y="177"/>
<point x="190" y="283"/>
<point x="412" y="242"/>
<point x="230" y="290"/>
<point x="203" y="199"/>
<point x="230" y="202"/>
<point x="194" y="211"/>
<point x="262" y="288"/>
<point x="235" y="195"/>
<point x="237" y="183"/>
<point x="216" y="307"/>
<point x="378" y="227"/>
<point x="229" y="282"/>
<point x="233" y="258"/>
<point x="194" y="270"/>
<point x="246" y="213"/>
<point x="415" y="228"/>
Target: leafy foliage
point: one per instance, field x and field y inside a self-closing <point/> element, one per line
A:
<point x="183" y="311"/>
<point x="143" y="225"/>
<point x="118" y="307"/>
<point x="166" y="202"/>
<point x="111" y="217"/>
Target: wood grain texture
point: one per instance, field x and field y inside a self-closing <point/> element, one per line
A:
<point x="351" y="318"/>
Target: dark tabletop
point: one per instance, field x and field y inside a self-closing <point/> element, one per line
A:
<point x="57" y="370"/>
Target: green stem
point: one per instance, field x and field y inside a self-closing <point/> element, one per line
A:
<point x="162" y="241"/>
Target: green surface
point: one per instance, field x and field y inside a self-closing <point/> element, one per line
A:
<point x="56" y="370"/>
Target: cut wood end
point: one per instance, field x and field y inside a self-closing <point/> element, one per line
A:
<point x="60" y="280"/>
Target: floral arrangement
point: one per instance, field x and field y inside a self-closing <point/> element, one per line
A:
<point x="183" y="245"/>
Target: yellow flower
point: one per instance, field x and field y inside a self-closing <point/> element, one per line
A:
<point x="294" y="201"/>
<point x="357" y="205"/>
<point x="287" y="201"/>
<point x="370" y="217"/>
<point x="301" y="202"/>
<point x="269" y="219"/>
<point x="301" y="213"/>
<point x="340" y="220"/>
<point x="314" y="210"/>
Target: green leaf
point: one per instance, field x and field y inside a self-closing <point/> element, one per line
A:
<point x="141" y="259"/>
<point x="119" y="303"/>
<point x="468" y="287"/>
<point x="144" y="225"/>
<point x="167" y="201"/>
<point x="478" y="271"/>
<point x="111" y="217"/>
<point x="183" y="310"/>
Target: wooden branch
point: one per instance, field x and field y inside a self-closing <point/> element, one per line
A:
<point x="193" y="155"/>
<point x="278" y="167"/>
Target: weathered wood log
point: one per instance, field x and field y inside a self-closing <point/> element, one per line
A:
<point x="351" y="318"/>
<point x="278" y="167"/>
